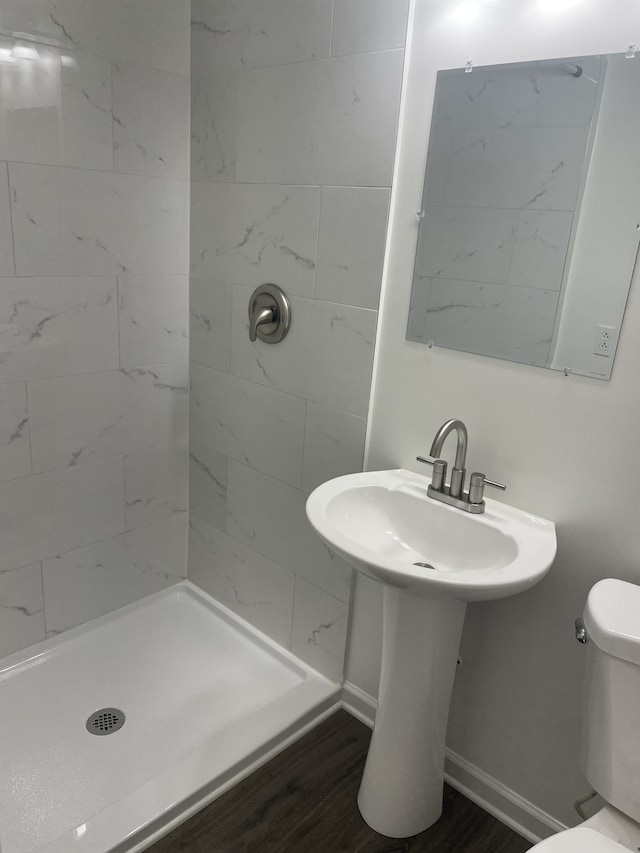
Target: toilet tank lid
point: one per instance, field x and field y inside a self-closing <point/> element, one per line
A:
<point x="612" y="618"/>
<point x="580" y="840"/>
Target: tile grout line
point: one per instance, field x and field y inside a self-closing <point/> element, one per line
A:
<point x="124" y="454"/>
<point x="304" y="442"/>
<point x="44" y="600"/>
<point x="142" y="367"/>
<point x="269" y="388"/>
<point x="28" y="405"/>
<point x="110" y="274"/>
<point x="46" y="165"/>
<point x="317" y="245"/>
<point x="113" y="122"/>
<point x="333" y="15"/>
<point x="118" y="335"/>
<point x="287" y="485"/>
<point x="13" y="239"/>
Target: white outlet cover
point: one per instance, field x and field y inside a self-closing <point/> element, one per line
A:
<point x="605" y="341"/>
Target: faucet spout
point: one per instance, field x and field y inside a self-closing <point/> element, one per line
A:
<point x="441" y="435"/>
<point x="454" y="493"/>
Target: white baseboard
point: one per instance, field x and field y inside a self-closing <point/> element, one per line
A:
<point x="494" y="797"/>
<point x="359" y="704"/>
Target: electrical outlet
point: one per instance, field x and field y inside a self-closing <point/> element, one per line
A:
<point x="605" y="339"/>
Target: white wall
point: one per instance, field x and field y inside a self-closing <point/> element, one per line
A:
<point x="567" y="448"/>
<point x="93" y="310"/>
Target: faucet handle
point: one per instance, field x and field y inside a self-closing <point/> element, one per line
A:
<point x="477" y="482"/>
<point x="439" y="471"/>
<point x="425" y="460"/>
<point x="495" y="485"/>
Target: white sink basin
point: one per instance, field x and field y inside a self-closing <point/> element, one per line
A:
<point x="383" y="523"/>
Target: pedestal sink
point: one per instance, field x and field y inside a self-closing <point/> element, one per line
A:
<point x="432" y="560"/>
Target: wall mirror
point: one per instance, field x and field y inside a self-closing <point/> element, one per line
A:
<point x="530" y="218"/>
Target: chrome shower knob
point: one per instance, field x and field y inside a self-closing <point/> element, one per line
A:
<point x="269" y="314"/>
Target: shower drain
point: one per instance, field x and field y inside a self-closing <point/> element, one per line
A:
<point x="106" y="721"/>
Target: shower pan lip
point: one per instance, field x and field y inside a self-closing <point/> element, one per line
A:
<point x="133" y="820"/>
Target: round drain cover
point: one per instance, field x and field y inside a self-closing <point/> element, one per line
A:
<point x="105" y="721"/>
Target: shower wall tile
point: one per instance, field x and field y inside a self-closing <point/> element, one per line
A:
<point x="210" y="322"/>
<point x="149" y="32"/>
<point x="258" y="426"/>
<point x="328" y="122"/>
<point x="95" y="206"/>
<point x="154" y="319"/>
<point x="251" y="585"/>
<point x="85" y="120"/>
<point x="57" y="326"/>
<point x="7" y="266"/>
<point x="156" y="484"/>
<point x="150" y="121"/>
<point x="21" y="608"/>
<point x="55" y="113"/>
<point x="31" y="95"/>
<point x="319" y="632"/>
<point x="333" y="445"/>
<point x="361" y="26"/>
<point x="207" y="482"/>
<point x="327" y="356"/>
<point x="52" y="513"/>
<point x="78" y="222"/>
<point x="351" y="242"/>
<point x="79" y="419"/>
<point x="15" y="448"/>
<point x="269" y="517"/>
<point x="291" y="162"/>
<point x="86" y="583"/>
<point x="235" y="34"/>
<point x="213" y="127"/>
<point x="253" y="234"/>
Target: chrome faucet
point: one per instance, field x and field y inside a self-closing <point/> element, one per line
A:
<point x="454" y="493"/>
<point x="457" y="472"/>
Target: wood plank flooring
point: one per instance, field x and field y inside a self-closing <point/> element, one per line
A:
<point x="304" y="800"/>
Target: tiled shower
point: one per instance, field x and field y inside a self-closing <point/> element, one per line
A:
<point x="294" y="118"/>
<point x="94" y="331"/>
<point x="293" y="122"/>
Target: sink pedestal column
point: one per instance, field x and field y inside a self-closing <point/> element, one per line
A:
<point x="401" y="790"/>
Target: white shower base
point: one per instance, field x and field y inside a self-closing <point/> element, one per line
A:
<point x="206" y="698"/>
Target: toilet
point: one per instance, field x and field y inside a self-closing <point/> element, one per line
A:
<point x="611" y="723"/>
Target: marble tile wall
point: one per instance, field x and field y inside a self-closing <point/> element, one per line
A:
<point x="94" y="217"/>
<point x="506" y="158"/>
<point x="293" y="127"/>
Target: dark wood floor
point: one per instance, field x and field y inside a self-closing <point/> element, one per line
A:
<point x="304" y="800"/>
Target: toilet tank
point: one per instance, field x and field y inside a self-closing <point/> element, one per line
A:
<point x="611" y="708"/>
